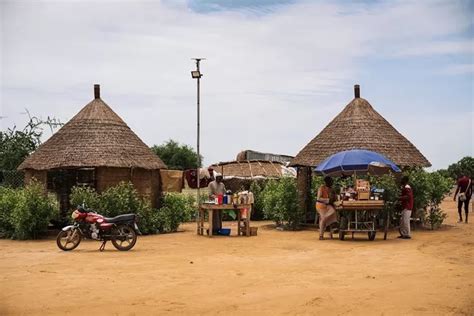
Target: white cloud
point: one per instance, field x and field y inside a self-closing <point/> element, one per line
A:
<point x="437" y="48"/>
<point x="459" y="69"/>
<point x="268" y="79"/>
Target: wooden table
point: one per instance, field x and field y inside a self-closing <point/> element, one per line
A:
<point x="364" y="213"/>
<point x="211" y="208"/>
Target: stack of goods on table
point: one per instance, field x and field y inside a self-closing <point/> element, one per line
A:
<point x="361" y="192"/>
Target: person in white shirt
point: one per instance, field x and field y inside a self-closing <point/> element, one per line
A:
<point x="216" y="187"/>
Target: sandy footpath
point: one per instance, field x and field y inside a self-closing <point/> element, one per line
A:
<point x="290" y="273"/>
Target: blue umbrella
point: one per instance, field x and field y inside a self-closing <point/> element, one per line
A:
<point x="356" y="161"/>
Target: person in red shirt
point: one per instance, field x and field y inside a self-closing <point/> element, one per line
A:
<point x="465" y="192"/>
<point x="406" y="199"/>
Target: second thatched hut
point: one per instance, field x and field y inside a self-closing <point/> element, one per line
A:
<point x="358" y="126"/>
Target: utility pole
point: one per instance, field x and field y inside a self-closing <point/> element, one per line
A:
<point x="196" y="74"/>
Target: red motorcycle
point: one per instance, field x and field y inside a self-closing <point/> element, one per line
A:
<point x="121" y="230"/>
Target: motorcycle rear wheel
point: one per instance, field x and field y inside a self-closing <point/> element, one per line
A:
<point x="68" y="240"/>
<point x="124" y="238"/>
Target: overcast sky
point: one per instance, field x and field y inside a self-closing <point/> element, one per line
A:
<point x="276" y="73"/>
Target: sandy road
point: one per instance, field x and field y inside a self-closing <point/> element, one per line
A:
<point x="274" y="273"/>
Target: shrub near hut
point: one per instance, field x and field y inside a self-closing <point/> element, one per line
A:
<point x="177" y="208"/>
<point x="280" y="203"/>
<point x="438" y="187"/>
<point x="25" y="213"/>
<point x="391" y="196"/>
<point x="257" y="187"/>
<point x="8" y="201"/>
<point x="429" y="190"/>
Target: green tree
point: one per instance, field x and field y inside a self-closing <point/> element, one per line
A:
<point x="16" y="145"/>
<point x="176" y="155"/>
<point x="465" y="166"/>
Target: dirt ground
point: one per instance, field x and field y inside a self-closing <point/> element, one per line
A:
<point x="277" y="272"/>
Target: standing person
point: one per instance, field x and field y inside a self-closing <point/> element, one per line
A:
<point x="325" y="206"/>
<point x="465" y="192"/>
<point x="216" y="187"/>
<point x="406" y="200"/>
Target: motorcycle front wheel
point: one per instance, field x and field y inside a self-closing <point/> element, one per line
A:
<point x="124" y="237"/>
<point x="68" y="240"/>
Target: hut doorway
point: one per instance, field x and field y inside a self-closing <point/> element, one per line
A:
<point x="61" y="182"/>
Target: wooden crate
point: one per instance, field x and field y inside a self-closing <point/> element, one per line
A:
<point x="363" y="189"/>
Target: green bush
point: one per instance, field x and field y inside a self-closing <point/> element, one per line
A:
<point x="269" y="197"/>
<point x="8" y="201"/>
<point x="27" y="212"/>
<point x="148" y="221"/>
<point x="280" y="202"/>
<point x="177" y="208"/>
<point x="256" y="187"/>
<point x="435" y="217"/>
<point x="429" y="190"/>
<point x="120" y="199"/>
<point x="438" y="187"/>
<point x="390" y="196"/>
<point x="86" y="196"/>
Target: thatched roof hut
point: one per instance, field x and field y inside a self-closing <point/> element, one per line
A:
<point x="359" y="126"/>
<point x="94" y="137"/>
<point x="95" y="148"/>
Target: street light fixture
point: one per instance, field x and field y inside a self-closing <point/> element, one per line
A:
<point x="196" y="74"/>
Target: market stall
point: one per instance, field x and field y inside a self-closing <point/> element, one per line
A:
<point x="243" y="223"/>
<point x="359" y="207"/>
<point x="359" y="216"/>
<point x="240" y="203"/>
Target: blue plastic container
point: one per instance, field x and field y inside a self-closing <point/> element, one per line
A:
<point x="224" y="231"/>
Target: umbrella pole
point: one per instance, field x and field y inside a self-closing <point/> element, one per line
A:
<point x="355" y="181"/>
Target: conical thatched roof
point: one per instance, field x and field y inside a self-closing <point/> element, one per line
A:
<point x="95" y="137"/>
<point x="359" y="126"/>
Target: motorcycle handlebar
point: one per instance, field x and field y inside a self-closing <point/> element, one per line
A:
<point x="81" y="209"/>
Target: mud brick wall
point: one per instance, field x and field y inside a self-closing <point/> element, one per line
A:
<point x="146" y="182"/>
<point x="39" y="175"/>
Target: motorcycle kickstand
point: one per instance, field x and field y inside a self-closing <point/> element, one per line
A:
<point x="102" y="247"/>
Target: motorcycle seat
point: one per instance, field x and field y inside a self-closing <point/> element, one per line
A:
<point x="120" y="218"/>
